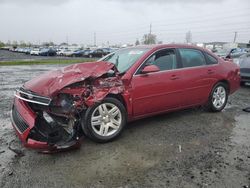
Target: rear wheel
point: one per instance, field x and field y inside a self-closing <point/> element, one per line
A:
<point x="218" y="97"/>
<point x="104" y="121"/>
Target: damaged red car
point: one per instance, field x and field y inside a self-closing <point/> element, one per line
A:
<point x="97" y="99"/>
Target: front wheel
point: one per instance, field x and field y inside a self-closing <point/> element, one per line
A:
<point x="218" y="97"/>
<point x="104" y="121"/>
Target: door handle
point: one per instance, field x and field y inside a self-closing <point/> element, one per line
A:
<point x="210" y="71"/>
<point x="174" y="77"/>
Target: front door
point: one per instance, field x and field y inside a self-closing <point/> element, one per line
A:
<point x="159" y="91"/>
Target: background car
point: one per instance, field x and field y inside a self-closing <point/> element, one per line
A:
<point x="236" y="52"/>
<point x="98" y="53"/>
<point x="68" y="52"/>
<point x="230" y="53"/>
<point x="80" y="53"/>
<point x="244" y="62"/>
<point x="35" y="51"/>
<point x="47" y="52"/>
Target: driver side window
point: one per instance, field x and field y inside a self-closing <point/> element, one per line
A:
<point x="163" y="59"/>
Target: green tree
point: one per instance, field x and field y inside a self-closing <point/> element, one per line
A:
<point x="22" y="43"/>
<point x="149" y="39"/>
<point x="137" y="42"/>
<point x="1" y="44"/>
<point x="14" y="44"/>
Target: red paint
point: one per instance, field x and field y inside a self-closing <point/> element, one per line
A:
<point x="144" y="94"/>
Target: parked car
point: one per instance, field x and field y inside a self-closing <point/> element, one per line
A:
<point x="27" y="50"/>
<point x="236" y="52"/>
<point x="60" y="52"/>
<point x="47" y="52"/>
<point x="98" y="53"/>
<point x="51" y="111"/>
<point x="80" y="53"/>
<point x="35" y="51"/>
<point x="87" y="52"/>
<point x="230" y="53"/>
<point x="67" y="52"/>
<point x="244" y="62"/>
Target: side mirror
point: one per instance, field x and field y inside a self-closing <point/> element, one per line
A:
<point x="149" y="69"/>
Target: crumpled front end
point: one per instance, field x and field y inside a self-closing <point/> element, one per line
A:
<point x="53" y="122"/>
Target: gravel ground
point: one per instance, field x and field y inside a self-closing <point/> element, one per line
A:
<point x="189" y="148"/>
<point x="6" y="55"/>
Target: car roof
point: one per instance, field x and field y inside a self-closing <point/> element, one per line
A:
<point x="168" y="46"/>
<point x="159" y="46"/>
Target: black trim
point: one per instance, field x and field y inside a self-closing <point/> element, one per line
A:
<point x="144" y="62"/>
<point x="19" y="122"/>
<point x="207" y="60"/>
<point x="202" y="52"/>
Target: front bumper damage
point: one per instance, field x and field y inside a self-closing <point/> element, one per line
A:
<point x="36" y="133"/>
<point x="53" y="122"/>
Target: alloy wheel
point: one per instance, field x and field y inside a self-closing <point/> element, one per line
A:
<point x="219" y="97"/>
<point x="106" y="119"/>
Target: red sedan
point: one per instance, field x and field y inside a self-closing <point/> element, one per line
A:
<point x="54" y="110"/>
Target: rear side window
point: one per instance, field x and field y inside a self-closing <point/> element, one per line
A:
<point x="211" y="60"/>
<point x="192" y="58"/>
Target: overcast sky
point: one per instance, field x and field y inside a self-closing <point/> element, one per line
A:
<point x="123" y="21"/>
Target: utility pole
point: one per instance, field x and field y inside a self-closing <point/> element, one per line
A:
<point x="67" y="39"/>
<point x="94" y="39"/>
<point x="235" y="36"/>
<point x="150" y="29"/>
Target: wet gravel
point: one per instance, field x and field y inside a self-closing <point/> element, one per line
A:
<point x="189" y="148"/>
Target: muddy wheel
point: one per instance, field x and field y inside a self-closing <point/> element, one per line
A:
<point x="105" y="120"/>
<point x="218" y="97"/>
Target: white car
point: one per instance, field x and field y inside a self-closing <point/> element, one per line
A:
<point x="35" y="51"/>
<point x="65" y="52"/>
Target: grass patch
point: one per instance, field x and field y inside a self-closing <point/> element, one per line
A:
<point x="46" y="61"/>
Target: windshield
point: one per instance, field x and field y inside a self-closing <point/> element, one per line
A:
<point x="125" y="58"/>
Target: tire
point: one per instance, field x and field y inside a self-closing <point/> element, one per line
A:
<point x="218" y="97"/>
<point x="242" y="83"/>
<point x="90" y="56"/>
<point x="98" y="122"/>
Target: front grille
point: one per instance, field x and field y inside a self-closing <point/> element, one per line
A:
<point x="32" y="97"/>
<point x="245" y="70"/>
<point x="18" y="121"/>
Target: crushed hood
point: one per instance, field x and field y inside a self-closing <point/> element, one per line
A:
<point x="53" y="81"/>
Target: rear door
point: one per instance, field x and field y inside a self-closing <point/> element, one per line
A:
<point x="196" y="76"/>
